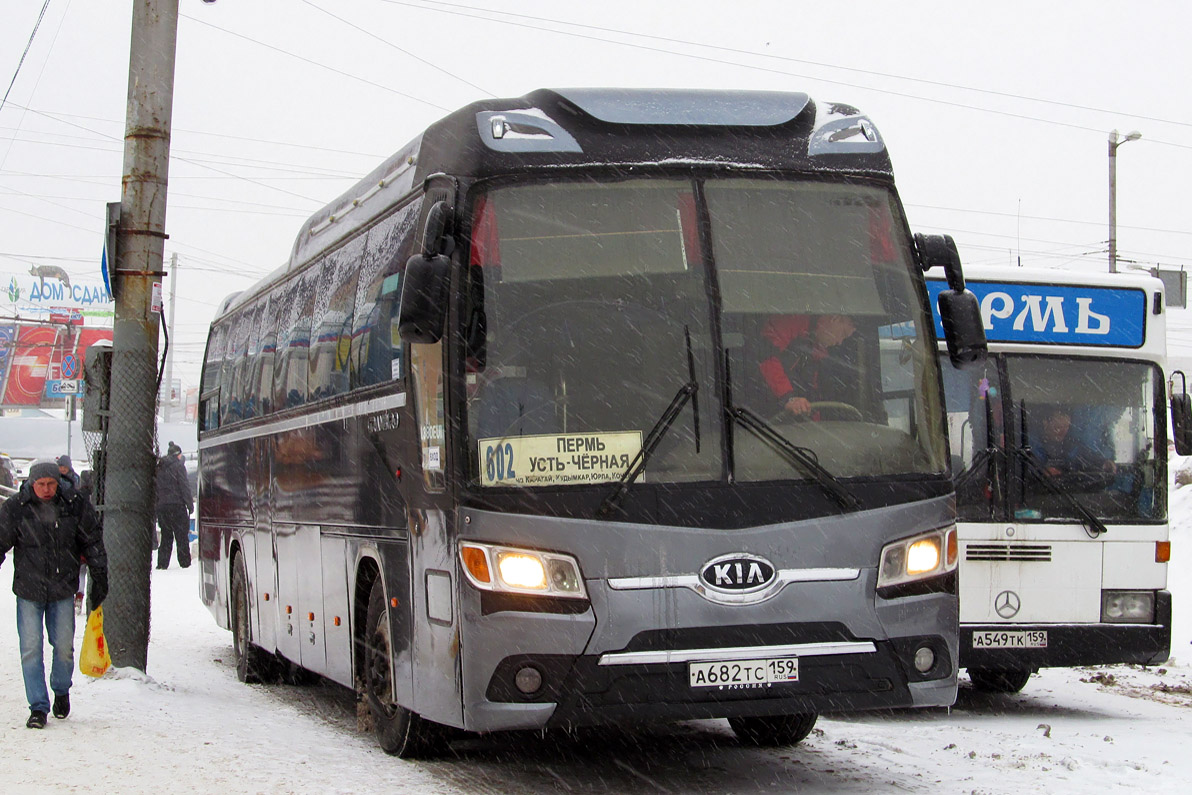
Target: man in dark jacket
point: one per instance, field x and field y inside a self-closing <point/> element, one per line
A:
<point x="174" y="507"/>
<point x="50" y="526"/>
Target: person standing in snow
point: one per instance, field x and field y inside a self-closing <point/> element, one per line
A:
<point x="49" y="525"/>
<point x="174" y="507"/>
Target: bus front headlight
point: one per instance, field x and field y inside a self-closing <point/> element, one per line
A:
<point x="1127" y="607"/>
<point x="491" y="567"/>
<point x="918" y="557"/>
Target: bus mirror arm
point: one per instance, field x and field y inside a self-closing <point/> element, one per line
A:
<point x="964" y="330"/>
<point x="933" y="250"/>
<point x="435" y="240"/>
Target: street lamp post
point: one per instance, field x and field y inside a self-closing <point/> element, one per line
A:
<point x="1114" y="143"/>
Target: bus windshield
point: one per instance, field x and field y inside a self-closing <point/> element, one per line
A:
<point x="592" y="306"/>
<point x="1038" y="438"/>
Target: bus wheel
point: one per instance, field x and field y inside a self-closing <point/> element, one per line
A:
<point x="253" y="664"/>
<point x="399" y="731"/>
<point x="771" y="730"/>
<point x="992" y="680"/>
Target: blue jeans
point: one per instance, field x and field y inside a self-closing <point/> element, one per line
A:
<point x="59" y="620"/>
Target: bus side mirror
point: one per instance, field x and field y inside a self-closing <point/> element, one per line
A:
<point x="424" y="299"/>
<point x="964" y="330"/>
<point x="1181" y="416"/>
<point x="426" y="282"/>
<point x="941" y="250"/>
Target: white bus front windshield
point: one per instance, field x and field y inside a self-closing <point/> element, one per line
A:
<point x="1062" y="435"/>
<point x="750" y="310"/>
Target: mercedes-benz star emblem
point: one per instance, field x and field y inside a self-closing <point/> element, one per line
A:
<point x="1007" y="604"/>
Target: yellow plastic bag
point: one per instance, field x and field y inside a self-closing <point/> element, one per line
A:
<point x="93" y="658"/>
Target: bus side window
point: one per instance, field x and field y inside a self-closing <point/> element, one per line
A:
<point x="209" y="395"/>
<point x="264" y="354"/>
<point x="246" y="379"/>
<point x="376" y="348"/>
<point x="427" y="367"/>
<point x="332" y="322"/>
<point x="289" y="381"/>
<point x="233" y="368"/>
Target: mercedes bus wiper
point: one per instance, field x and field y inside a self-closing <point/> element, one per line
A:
<point x="796" y="456"/>
<point x="1092" y="525"/>
<point x="655" y="435"/>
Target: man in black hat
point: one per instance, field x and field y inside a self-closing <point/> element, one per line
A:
<point x="50" y="526"/>
<point x="174" y="507"/>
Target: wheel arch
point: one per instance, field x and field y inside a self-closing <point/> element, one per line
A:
<point x="368" y="571"/>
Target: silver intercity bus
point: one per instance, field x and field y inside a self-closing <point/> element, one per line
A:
<point x="594" y="406"/>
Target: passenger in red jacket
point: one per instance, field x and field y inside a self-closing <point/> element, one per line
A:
<point x="801" y="344"/>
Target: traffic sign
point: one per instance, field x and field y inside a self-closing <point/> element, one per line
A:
<point x="70" y="366"/>
<point x="56" y="388"/>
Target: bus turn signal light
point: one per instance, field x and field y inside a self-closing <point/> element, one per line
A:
<point x="1162" y="551"/>
<point x="476" y="563"/>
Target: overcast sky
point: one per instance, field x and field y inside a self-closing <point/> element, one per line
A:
<point x="996" y="117"/>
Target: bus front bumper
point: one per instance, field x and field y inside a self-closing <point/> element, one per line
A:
<point x="613" y="688"/>
<point x="1071" y="645"/>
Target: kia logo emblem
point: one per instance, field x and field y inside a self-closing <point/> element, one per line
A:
<point x="737" y="572"/>
<point x="1007" y="604"/>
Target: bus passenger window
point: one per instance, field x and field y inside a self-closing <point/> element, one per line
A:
<point x="331" y="330"/>
<point x="264" y="358"/>
<point x="376" y="348"/>
<point x="293" y="344"/>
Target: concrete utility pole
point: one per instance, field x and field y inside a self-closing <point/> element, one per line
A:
<point x="1114" y="143"/>
<point x="129" y="515"/>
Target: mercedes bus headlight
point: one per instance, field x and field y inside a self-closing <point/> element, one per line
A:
<point x="490" y="567"/>
<point x="919" y="557"/>
<point x="1127" y="607"/>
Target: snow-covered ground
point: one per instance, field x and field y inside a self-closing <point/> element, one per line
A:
<point x="191" y="726"/>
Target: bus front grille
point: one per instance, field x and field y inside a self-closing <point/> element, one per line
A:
<point x="1015" y="552"/>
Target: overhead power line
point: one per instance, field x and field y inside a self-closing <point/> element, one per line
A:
<point x="28" y="44"/>
<point x="431" y="4"/>
<point x="312" y="62"/>
<point x="405" y="52"/>
<point x="441" y="8"/>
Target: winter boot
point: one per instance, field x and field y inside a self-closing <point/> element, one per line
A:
<point x="61" y="706"/>
<point x="37" y="720"/>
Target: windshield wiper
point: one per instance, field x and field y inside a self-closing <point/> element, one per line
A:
<point x="1092" y="525"/>
<point x="796" y="456"/>
<point x="655" y="435"/>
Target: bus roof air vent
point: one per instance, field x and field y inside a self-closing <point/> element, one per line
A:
<point x="687" y="106"/>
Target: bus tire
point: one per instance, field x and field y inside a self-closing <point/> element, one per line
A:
<point x="253" y="664"/>
<point x="399" y="731"/>
<point x="773" y="730"/>
<point x="995" y="680"/>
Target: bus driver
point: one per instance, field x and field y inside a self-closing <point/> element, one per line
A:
<point x="795" y="371"/>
